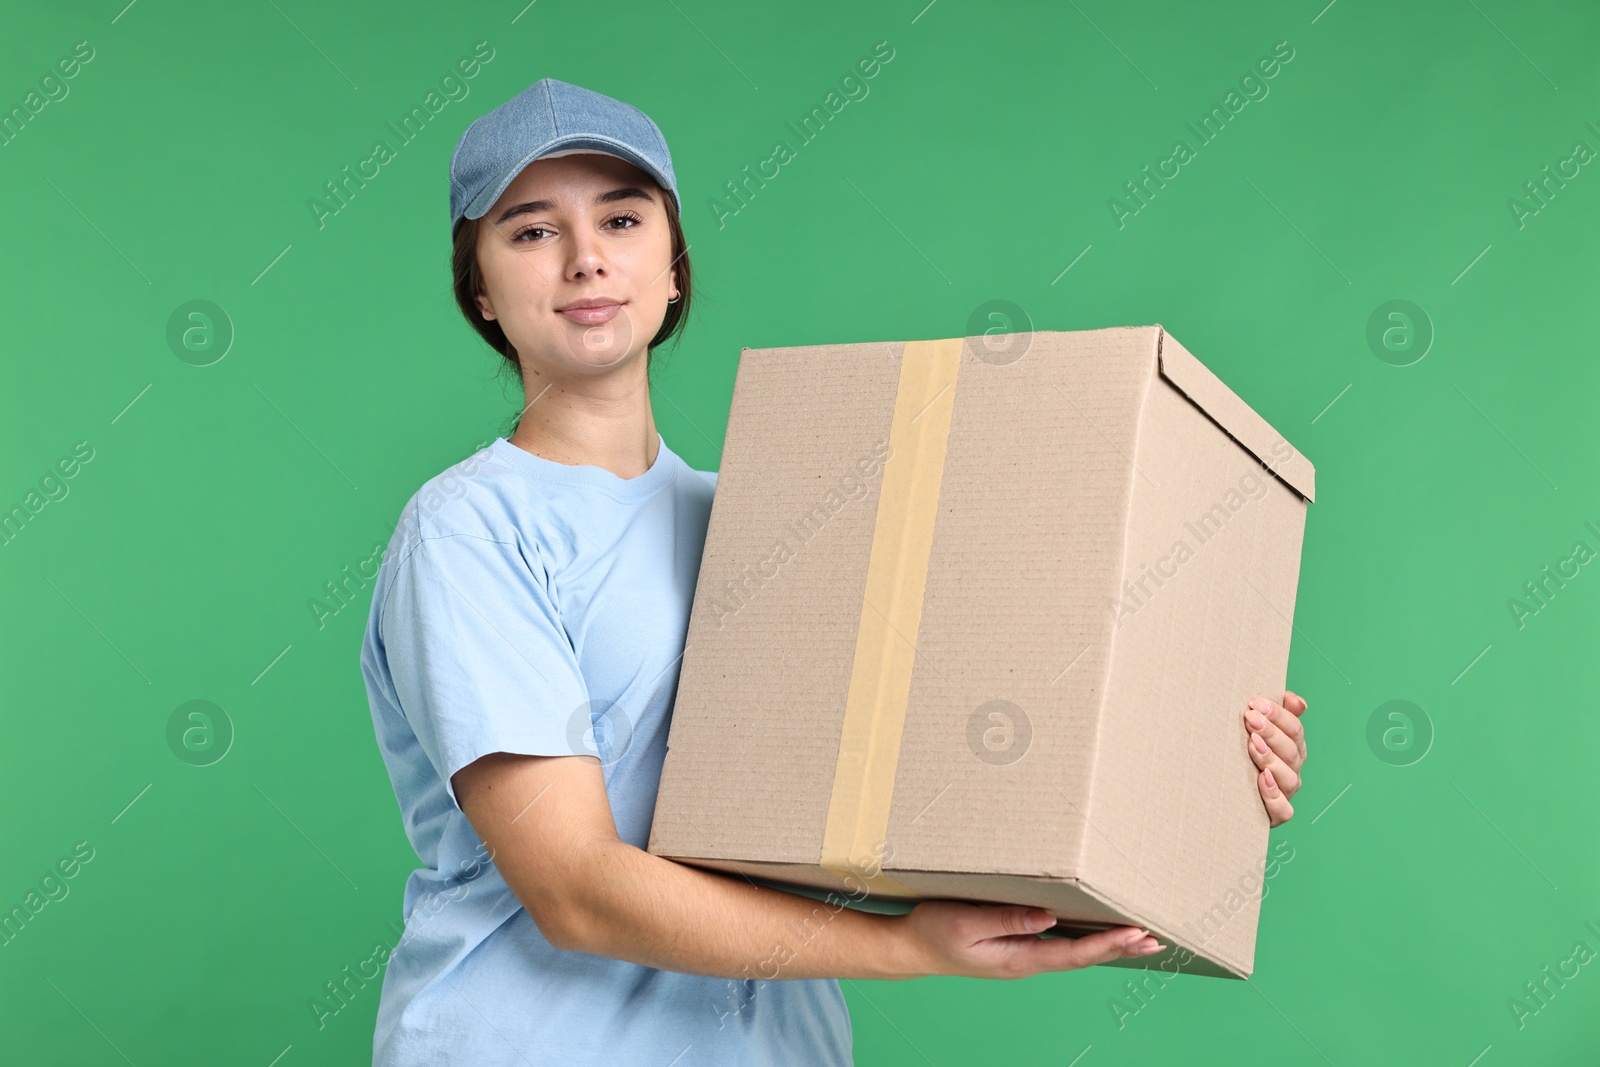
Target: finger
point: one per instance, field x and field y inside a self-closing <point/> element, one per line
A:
<point x="1005" y="923"/>
<point x="1259" y="722"/>
<point x="1279" y="810"/>
<point x="1291" y="699"/>
<point x="1266" y="758"/>
<point x="1066" y="953"/>
<point x="1282" y="730"/>
<point x="1287" y="777"/>
<point x="1011" y="921"/>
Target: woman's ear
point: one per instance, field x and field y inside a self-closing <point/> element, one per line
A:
<point x="485" y="308"/>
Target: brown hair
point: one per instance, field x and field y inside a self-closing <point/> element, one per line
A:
<point x="468" y="284"/>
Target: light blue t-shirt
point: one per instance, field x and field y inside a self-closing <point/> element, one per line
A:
<point x="530" y="606"/>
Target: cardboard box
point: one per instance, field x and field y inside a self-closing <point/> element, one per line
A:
<point x="978" y="619"/>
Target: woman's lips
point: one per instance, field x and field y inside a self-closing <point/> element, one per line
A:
<point x="592" y="316"/>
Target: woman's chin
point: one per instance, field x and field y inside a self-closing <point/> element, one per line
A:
<point x="603" y="344"/>
<point x="584" y="352"/>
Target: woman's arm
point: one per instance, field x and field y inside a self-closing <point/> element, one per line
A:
<point x="548" y="826"/>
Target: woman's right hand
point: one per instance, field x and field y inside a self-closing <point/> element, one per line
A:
<point x="1000" y="941"/>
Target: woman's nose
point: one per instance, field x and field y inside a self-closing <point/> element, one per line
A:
<point x="587" y="256"/>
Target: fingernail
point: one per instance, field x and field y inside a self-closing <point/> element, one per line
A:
<point x="1137" y="935"/>
<point x="1042" y="921"/>
<point x="1272" y="783"/>
<point x="1152" y="948"/>
<point x="1256" y="722"/>
<point x="1259" y="705"/>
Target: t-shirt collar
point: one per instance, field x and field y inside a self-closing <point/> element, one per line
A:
<point x="588" y="476"/>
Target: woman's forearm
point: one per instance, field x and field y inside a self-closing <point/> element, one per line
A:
<point x="639" y="907"/>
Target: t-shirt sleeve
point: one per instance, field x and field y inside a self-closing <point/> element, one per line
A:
<point x="480" y="659"/>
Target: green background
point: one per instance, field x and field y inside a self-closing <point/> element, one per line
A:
<point x="220" y="499"/>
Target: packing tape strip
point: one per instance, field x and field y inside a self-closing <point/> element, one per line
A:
<point x="891" y="609"/>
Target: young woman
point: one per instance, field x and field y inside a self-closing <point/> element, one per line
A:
<point x="537" y="595"/>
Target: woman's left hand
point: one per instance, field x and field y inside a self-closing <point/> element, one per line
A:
<point x="1277" y="743"/>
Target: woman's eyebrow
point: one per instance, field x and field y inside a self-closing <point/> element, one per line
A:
<point x="627" y="192"/>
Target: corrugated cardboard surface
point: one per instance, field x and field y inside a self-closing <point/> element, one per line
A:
<point x="771" y="635"/>
<point x="1213" y="556"/>
<point x="1120" y="790"/>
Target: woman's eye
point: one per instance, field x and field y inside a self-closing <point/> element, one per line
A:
<point x="529" y="234"/>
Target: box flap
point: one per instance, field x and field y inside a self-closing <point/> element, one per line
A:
<point x="1195" y="380"/>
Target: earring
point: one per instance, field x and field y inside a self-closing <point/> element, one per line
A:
<point x="674" y="300"/>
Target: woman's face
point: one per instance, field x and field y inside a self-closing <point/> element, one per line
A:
<point x="568" y="232"/>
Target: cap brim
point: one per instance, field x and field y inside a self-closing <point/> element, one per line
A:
<point x="480" y="204"/>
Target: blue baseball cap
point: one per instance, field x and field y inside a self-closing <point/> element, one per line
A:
<point x="549" y="118"/>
